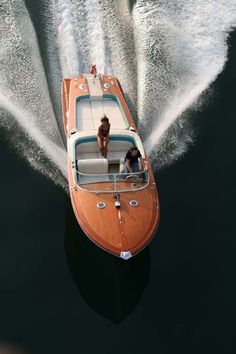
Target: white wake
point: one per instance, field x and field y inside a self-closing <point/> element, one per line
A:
<point x="181" y="48"/>
<point x="165" y="53"/>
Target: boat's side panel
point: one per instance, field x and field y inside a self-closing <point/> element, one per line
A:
<point x="70" y="90"/>
<point x="65" y="90"/>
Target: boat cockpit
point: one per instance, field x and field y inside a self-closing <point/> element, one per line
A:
<point x="95" y="173"/>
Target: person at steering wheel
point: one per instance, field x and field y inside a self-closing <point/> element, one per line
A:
<point x="132" y="160"/>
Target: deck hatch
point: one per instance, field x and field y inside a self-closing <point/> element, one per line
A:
<point x="101" y="205"/>
<point x="133" y="203"/>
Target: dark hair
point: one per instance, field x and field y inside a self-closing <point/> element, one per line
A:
<point x="105" y="119"/>
<point x="133" y="148"/>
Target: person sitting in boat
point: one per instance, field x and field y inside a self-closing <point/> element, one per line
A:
<point x="103" y="135"/>
<point x="132" y="160"/>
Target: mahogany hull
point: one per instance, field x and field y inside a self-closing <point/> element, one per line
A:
<point x="126" y="229"/>
<point x="116" y="230"/>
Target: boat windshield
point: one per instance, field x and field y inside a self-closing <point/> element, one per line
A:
<point x="112" y="182"/>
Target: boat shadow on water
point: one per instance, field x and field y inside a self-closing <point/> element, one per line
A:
<point x="109" y="285"/>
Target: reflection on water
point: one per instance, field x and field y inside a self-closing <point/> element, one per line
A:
<point x="6" y="348"/>
<point x="110" y="286"/>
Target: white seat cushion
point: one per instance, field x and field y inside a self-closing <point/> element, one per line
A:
<point x="89" y="155"/>
<point x="93" y="166"/>
<point x="116" y="145"/>
<point x="115" y="156"/>
<point x="91" y="146"/>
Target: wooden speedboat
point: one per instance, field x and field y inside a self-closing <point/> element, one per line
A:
<point x="117" y="211"/>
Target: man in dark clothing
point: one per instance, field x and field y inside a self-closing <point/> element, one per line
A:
<point x="131" y="160"/>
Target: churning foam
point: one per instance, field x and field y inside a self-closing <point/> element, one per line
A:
<point x="98" y="50"/>
<point x="27" y="112"/>
<point x="181" y="47"/>
<point x="54" y="153"/>
<point x="165" y="53"/>
<point x="67" y="37"/>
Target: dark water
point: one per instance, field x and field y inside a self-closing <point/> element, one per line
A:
<point x="60" y="294"/>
